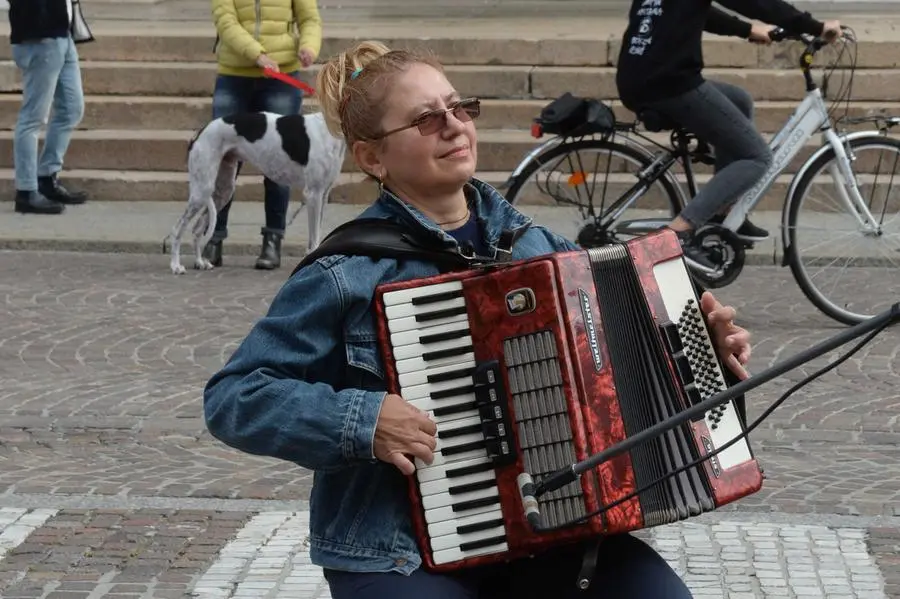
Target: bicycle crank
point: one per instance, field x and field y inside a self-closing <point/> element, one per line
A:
<point x="726" y="251"/>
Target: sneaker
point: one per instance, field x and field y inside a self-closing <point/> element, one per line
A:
<point x="694" y="254"/>
<point x="747" y="231"/>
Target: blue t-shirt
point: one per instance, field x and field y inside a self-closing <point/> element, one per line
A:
<point x="470" y="234"/>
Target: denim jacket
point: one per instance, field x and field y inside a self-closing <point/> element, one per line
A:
<point x="307" y="384"/>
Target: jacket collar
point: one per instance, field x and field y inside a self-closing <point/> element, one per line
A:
<point x="494" y="214"/>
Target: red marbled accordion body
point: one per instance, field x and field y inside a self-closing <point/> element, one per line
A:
<point x="564" y="299"/>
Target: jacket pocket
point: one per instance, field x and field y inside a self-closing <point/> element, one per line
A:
<point x="365" y="370"/>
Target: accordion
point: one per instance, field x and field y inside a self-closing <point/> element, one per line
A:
<point x="536" y="364"/>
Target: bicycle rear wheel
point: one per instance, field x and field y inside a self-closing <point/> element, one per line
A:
<point x="848" y="274"/>
<point x="589" y="176"/>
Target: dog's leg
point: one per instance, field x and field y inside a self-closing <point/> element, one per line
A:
<point x="203" y="231"/>
<point x="220" y="195"/>
<point x="177" y="232"/>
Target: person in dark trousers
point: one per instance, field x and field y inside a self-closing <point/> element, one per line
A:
<point x="283" y="35"/>
<point x="660" y="69"/>
<point x="43" y="37"/>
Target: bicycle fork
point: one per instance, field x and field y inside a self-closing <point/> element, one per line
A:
<point x="846" y="184"/>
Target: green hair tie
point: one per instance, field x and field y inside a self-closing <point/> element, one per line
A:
<point x="356" y="73"/>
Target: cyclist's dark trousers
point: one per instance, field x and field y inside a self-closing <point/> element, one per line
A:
<point x="721" y="115"/>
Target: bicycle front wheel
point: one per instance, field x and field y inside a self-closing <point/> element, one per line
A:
<point x="848" y="271"/>
<point x="568" y="186"/>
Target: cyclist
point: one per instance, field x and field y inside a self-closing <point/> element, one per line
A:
<point x="660" y="68"/>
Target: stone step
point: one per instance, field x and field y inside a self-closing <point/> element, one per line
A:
<point x="166" y="150"/>
<point x="483" y="47"/>
<point x="486" y="81"/>
<point x="143" y="227"/>
<point x="352" y="188"/>
<point x="191" y="113"/>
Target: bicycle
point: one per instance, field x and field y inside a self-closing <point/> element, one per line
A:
<point x="593" y="127"/>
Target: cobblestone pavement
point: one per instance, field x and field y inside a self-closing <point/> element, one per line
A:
<point x="110" y="485"/>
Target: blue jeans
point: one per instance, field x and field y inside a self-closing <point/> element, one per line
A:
<point x="627" y="568"/>
<point x="51" y="78"/>
<point x="246" y="94"/>
<point x="722" y="115"/>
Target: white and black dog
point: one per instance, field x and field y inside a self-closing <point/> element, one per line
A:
<point x="295" y="150"/>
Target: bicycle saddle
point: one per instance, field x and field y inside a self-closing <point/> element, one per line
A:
<point x="655" y="121"/>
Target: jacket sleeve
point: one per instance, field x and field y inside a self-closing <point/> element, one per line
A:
<point x="776" y="12"/>
<point x="309" y="23"/>
<point x="722" y="23"/>
<point x="232" y="33"/>
<point x="266" y="401"/>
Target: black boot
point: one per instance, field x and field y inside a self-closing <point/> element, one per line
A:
<point x="35" y="202"/>
<point x="53" y="190"/>
<point x="270" y="255"/>
<point x="213" y="252"/>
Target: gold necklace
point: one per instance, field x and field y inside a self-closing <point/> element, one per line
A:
<point x="450" y="222"/>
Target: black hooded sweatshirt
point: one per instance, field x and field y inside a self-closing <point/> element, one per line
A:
<point x="661" y="54"/>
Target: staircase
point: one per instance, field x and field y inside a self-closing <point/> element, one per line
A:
<point x="149" y="89"/>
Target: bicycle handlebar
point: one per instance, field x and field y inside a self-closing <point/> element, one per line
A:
<point x="813" y="42"/>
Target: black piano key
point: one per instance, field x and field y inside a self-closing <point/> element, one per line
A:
<point x="437" y="314"/>
<point x="450" y="375"/>
<point x="473" y="545"/>
<point x="457" y="409"/>
<point x="469" y="487"/>
<point x="458" y="432"/>
<point x="446" y="336"/>
<point x="453" y="392"/>
<point x="446" y="353"/>
<point x="486" y="525"/>
<point x="436" y="297"/>
<point x="472" y="504"/>
<point x="466" y="470"/>
<point x="463" y="448"/>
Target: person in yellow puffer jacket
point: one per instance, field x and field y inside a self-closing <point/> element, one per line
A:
<point x="285" y="35"/>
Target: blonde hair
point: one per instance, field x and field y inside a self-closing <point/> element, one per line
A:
<point x="351" y="87"/>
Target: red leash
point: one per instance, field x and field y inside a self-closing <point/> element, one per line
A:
<point x="289" y="80"/>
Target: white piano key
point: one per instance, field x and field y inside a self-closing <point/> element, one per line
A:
<point x="455" y="541"/>
<point x="449" y="527"/>
<point x="402" y="296"/>
<point x="453" y="555"/>
<point x="434" y="472"/>
<point x="420" y="377"/>
<point x="443" y="485"/>
<point x="426" y="404"/>
<point x="412" y="336"/>
<point x="420" y="391"/>
<point x="403" y="310"/>
<point x="448" y="514"/>
<point x="410" y="323"/>
<point x="440" y="459"/>
<point x="412" y="365"/>
<point x="417" y="350"/>
<point x="442" y="500"/>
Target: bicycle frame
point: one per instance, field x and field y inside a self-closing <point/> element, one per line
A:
<point x="808" y="118"/>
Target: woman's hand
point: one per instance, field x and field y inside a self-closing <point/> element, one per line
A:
<point x="402" y="431"/>
<point x="264" y="62"/>
<point x="731" y="341"/>
<point x="306" y="56"/>
<point x="759" y="33"/>
<point x="832" y="31"/>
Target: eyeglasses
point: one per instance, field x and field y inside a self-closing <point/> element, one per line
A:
<point x="434" y="120"/>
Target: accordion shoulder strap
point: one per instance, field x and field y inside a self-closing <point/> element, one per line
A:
<point x="381" y="238"/>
